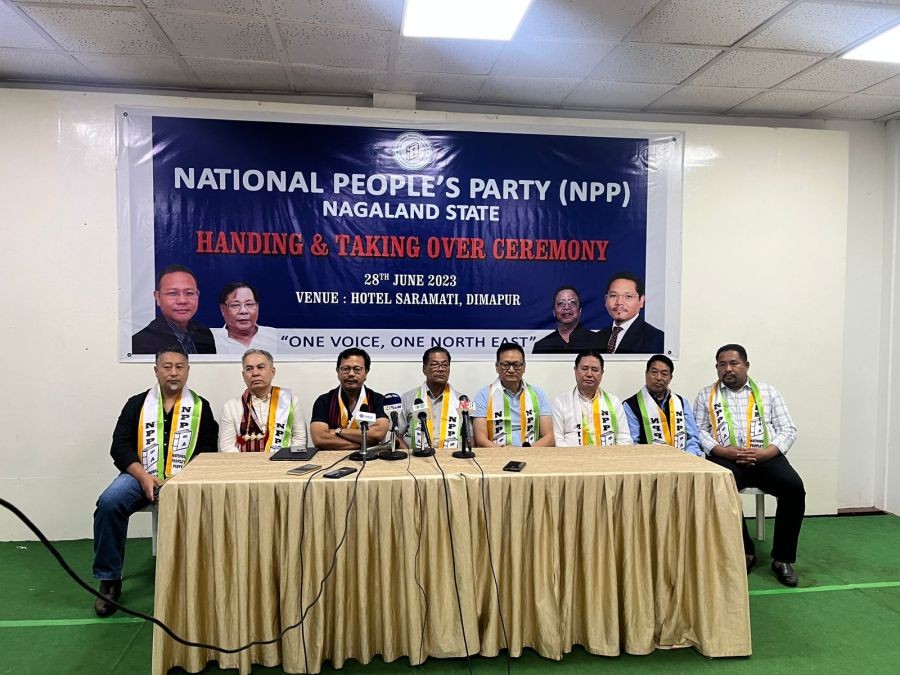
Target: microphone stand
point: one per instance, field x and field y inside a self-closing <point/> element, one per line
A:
<point x="465" y="452"/>
<point x="393" y="453"/>
<point x="426" y="451"/>
<point x="364" y="454"/>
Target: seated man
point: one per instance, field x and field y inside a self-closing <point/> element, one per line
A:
<point x="588" y="415"/>
<point x="509" y="411"/>
<point x="442" y="403"/>
<point x="657" y="415"/>
<point x="334" y="424"/>
<point x="745" y="426"/>
<point x="264" y="418"/>
<point x="147" y="453"/>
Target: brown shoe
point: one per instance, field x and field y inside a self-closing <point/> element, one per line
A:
<point x="751" y="562"/>
<point x="110" y="590"/>
<point x="785" y="573"/>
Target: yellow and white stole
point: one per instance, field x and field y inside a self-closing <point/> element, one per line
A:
<point x="449" y="424"/>
<point x="757" y="430"/>
<point x="182" y="433"/>
<point x="349" y="421"/>
<point x="601" y="425"/>
<point x="279" y="423"/>
<point x="499" y="418"/>
<point x="661" y="427"/>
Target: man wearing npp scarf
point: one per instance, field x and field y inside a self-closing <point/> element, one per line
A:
<point x="745" y="426"/>
<point x="509" y="411"/>
<point x="147" y="452"/>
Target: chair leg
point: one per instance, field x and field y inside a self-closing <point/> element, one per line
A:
<point x="760" y="517"/>
<point x="155" y="522"/>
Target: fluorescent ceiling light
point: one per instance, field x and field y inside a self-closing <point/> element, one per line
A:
<point x="463" y="19"/>
<point x="883" y="47"/>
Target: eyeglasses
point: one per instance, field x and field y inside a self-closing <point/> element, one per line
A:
<point x="189" y="293"/>
<point x="518" y="365"/>
<point x="627" y="297"/>
<point x="346" y="370"/>
<point x="238" y="306"/>
<point x="438" y="366"/>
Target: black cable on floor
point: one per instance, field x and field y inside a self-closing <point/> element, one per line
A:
<point x="420" y="500"/>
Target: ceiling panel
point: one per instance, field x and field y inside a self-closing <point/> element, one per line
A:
<point x="442" y="87"/>
<point x="615" y="95"/>
<point x="21" y="64"/>
<point x="787" y="103"/>
<point x="216" y="36"/>
<point x="889" y="87"/>
<point x="242" y="7"/>
<point x="843" y="75"/>
<point x="823" y="28"/>
<point x="333" y="46"/>
<point x="377" y="14"/>
<point x="463" y="57"/>
<point x="338" y="80"/>
<point x="571" y="58"/>
<point x="128" y="69"/>
<point x="526" y="90"/>
<point x="663" y="64"/>
<point x="748" y="68"/>
<point x="240" y="75"/>
<point x="104" y="31"/>
<point x="859" y="106"/>
<point x="586" y="19"/>
<point x="706" y="22"/>
<point x="16" y="31"/>
<point x="703" y="99"/>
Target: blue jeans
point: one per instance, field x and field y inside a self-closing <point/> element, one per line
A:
<point x="114" y="507"/>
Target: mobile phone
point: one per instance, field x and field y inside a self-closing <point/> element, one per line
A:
<point x="514" y="465"/>
<point x="306" y="468"/>
<point x="340" y="473"/>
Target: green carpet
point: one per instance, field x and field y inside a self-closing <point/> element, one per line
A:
<point x="844" y="617"/>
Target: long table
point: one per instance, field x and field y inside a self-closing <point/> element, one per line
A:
<point x="627" y="548"/>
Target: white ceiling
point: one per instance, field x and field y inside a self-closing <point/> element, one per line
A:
<point x="732" y="57"/>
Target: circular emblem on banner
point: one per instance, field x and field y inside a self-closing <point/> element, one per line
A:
<point x="413" y="151"/>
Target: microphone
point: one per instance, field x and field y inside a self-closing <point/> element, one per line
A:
<point x="419" y="409"/>
<point x="393" y="404"/>
<point x="465" y="451"/>
<point x="364" y="417"/>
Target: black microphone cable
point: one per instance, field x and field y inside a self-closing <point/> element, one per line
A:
<point x="420" y="500"/>
<point x="462" y="624"/>
<point x="487" y="536"/>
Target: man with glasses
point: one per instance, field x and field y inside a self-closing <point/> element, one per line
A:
<point x="264" y="418"/>
<point x="442" y="404"/>
<point x="177" y="297"/>
<point x="629" y="334"/>
<point x="239" y="304"/>
<point x="570" y="335"/>
<point x="509" y="411"/>
<point x="589" y="416"/>
<point x="335" y="424"/>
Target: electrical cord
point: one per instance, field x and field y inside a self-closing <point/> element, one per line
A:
<point x="462" y="625"/>
<point x="420" y="500"/>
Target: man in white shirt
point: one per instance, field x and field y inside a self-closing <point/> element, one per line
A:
<point x="756" y="457"/>
<point x="589" y="416"/>
<point x="264" y="418"/>
<point x="441" y="401"/>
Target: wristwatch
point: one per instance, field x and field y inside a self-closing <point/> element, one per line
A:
<point x="337" y="432"/>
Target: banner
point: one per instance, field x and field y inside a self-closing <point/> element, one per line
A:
<point x="304" y="237"/>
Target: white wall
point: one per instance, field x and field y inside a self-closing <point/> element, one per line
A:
<point x="765" y="228"/>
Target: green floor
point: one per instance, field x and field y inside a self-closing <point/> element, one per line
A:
<point x="844" y="617"/>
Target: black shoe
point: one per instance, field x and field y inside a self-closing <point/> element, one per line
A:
<point x="785" y="573"/>
<point x="751" y="562"/>
<point x="110" y="590"/>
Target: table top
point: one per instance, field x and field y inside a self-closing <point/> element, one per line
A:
<point x="617" y="459"/>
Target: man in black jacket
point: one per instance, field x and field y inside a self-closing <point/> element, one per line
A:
<point x="629" y="334"/>
<point x="147" y="452"/>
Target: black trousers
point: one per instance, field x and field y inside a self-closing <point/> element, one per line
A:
<point x="777" y="478"/>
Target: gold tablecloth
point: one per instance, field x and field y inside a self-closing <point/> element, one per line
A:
<point x="625" y="548"/>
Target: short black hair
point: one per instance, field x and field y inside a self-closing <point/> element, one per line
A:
<point x="566" y="288"/>
<point x="355" y="351"/>
<point x="173" y="349"/>
<point x="171" y="269"/>
<point x="233" y="286"/>
<point x="434" y="350"/>
<point x="627" y="276"/>
<point x="507" y="346"/>
<point x="732" y="347"/>
<point x="662" y="358"/>
<point x="590" y="352"/>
